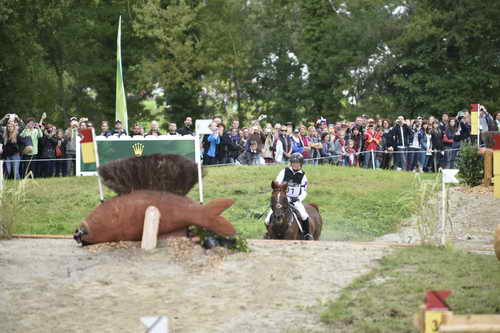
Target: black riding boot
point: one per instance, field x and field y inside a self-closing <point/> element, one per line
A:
<point x="305" y="227"/>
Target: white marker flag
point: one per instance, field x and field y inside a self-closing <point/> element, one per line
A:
<point x="449" y="176"/>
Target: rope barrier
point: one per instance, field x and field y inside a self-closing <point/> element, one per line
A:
<point x="341" y="156"/>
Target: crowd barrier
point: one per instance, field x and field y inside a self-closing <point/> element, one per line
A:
<point x="306" y="159"/>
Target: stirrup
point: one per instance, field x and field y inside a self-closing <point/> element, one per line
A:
<point x="308" y="236"/>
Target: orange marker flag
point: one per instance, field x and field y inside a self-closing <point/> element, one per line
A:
<point x="87" y="144"/>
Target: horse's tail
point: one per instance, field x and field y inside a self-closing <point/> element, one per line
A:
<point x="315" y="206"/>
<point x="212" y="220"/>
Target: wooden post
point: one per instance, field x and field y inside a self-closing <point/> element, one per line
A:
<point x="488" y="166"/>
<point x="150" y="231"/>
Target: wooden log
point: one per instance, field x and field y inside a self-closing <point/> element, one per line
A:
<point x="497" y="242"/>
<point x="469" y="323"/>
<point x="470" y="328"/>
<point x="488" y="166"/>
<point x="150" y="230"/>
<point x="43" y="236"/>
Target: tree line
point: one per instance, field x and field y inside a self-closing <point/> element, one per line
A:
<point x="289" y="59"/>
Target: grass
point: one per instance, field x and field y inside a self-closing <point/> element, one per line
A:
<point x="386" y="299"/>
<point x="356" y="204"/>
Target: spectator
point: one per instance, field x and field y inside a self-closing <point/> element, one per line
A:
<point x="105" y="129"/>
<point x="70" y="138"/>
<point x="315" y="144"/>
<point x="34" y="132"/>
<point x="351" y="156"/>
<point x="372" y="140"/>
<point x="137" y="132"/>
<point x="235" y="125"/>
<point x="49" y="142"/>
<point x="251" y="156"/>
<point x="415" y="148"/>
<point x="337" y="149"/>
<point x="497" y="119"/>
<point x="210" y="144"/>
<point x="400" y="137"/>
<point x="172" y="129"/>
<point x="448" y="142"/>
<point x="282" y="146"/>
<point x="267" y="148"/>
<point x="119" y="131"/>
<point x="437" y="146"/>
<point x="236" y="147"/>
<point x="426" y="146"/>
<point x="188" y="127"/>
<point x="297" y="144"/>
<point x="444" y="122"/>
<point x="386" y="145"/>
<point x="305" y="141"/>
<point x="225" y="146"/>
<point x="59" y="152"/>
<point x="11" y="148"/>
<point x="357" y="138"/>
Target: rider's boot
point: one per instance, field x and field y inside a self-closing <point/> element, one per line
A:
<point x="305" y="228"/>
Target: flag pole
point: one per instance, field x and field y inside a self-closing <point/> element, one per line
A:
<point x="121" y="98"/>
<point x="99" y="183"/>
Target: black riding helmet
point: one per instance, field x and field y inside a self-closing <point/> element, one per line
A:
<point x="297" y="157"/>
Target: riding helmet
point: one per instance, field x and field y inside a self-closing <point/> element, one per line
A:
<point x="297" y="157"/>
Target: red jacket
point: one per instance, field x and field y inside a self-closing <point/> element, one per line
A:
<point x="372" y="140"/>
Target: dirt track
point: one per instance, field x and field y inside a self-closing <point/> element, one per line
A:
<point x="56" y="286"/>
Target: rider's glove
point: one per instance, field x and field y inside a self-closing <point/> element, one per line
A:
<point x="293" y="200"/>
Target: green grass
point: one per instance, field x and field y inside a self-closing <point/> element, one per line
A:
<point x="386" y="299"/>
<point x="356" y="204"/>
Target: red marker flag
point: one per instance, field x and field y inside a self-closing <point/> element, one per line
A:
<point x="435" y="300"/>
<point x="87" y="146"/>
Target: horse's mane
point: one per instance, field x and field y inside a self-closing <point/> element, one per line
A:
<point x="166" y="173"/>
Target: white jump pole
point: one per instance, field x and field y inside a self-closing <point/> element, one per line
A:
<point x="443" y="213"/>
<point x="197" y="150"/>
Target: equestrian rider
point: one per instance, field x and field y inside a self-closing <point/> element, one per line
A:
<point x="296" y="179"/>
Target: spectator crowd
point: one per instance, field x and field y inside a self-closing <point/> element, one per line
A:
<point x="422" y="145"/>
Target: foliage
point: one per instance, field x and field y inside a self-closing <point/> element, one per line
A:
<point x="355" y="204"/>
<point x="386" y="299"/>
<point x="209" y="240"/>
<point x="427" y="209"/>
<point x="292" y="60"/>
<point x="13" y="204"/>
<point x="470" y="164"/>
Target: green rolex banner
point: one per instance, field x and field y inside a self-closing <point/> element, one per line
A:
<point x="110" y="149"/>
<point x="121" y="98"/>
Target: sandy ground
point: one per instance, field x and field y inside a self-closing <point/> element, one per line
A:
<point x="57" y="286"/>
<point x="474" y="214"/>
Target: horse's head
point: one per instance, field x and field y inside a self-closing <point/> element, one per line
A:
<point x="279" y="201"/>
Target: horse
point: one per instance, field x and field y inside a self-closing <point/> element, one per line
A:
<point x="284" y="222"/>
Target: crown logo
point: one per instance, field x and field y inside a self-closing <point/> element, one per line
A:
<point x="138" y="149"/>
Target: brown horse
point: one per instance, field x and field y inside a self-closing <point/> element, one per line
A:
<point x="284" y="224"/>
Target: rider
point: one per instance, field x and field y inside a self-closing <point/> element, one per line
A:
<point x="296" y="179"/>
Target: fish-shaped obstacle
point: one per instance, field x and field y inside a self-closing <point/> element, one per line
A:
<point x="121" y="218"/>
<point x="157" y="180"/>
